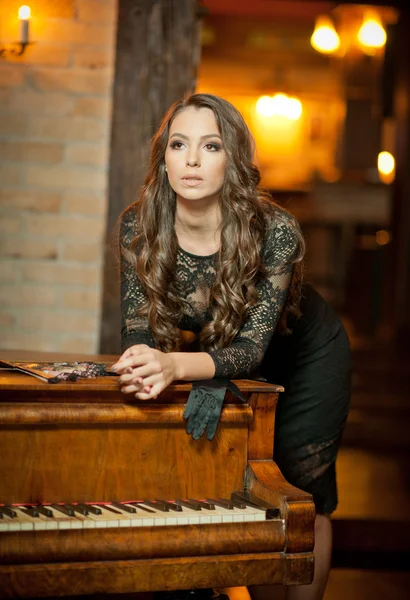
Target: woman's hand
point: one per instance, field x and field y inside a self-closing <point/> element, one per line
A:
<point x="144" y="371"/>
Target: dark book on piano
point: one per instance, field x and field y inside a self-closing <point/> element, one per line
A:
<point x="55" y="372"/>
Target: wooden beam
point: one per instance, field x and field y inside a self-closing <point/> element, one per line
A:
<point x="157" y="55"/>
<point x="400" y="248"/>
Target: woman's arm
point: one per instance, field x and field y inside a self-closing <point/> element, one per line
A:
<point x="134" y="328"/>
<point x="191" y="366"/>
<point x="244" y="355"/>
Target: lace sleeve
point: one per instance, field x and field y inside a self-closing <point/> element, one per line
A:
<point x="248" y="348"/>
<point x="135" y="329"/>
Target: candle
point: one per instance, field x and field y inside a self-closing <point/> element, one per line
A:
<point x="24" y="16"/>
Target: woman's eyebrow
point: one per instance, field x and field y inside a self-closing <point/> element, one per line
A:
<point x="203" y="137"/>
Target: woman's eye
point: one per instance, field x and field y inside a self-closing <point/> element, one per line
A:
<point x="176" y="145"/>
<point x="213" y="147"/>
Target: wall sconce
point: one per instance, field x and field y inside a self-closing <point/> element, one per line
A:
<point x="371" y="35"/>
<point x="24" y="15"/>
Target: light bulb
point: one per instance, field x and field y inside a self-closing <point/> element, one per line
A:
<point x="325" y="37"/>
<point x="385" y="163"/>
<point x="24" y="12"/>
<point x="372" y="34"/>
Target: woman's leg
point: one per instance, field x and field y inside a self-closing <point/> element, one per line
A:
<point x="323" y="555"/>
<point x="314" y="591"/>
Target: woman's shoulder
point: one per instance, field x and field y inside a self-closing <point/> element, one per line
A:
<point x="128" y="224"/>
<point x="282" y="231"/>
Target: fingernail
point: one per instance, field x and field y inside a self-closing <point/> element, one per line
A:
<point x="113" y="368"/>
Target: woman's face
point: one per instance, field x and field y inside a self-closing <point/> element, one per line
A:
<point x="195" y="156"/>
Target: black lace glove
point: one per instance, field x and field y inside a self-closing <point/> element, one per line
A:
<point x="204" y="405"/>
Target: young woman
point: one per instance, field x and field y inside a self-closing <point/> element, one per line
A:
<point x="205" y="251"/>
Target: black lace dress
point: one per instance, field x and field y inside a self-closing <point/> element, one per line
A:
<point x="194" y="276"/>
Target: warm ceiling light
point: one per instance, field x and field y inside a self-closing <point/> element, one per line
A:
<point x="372" y="33"/>
<point x="24" y="12"/>
<point x="281" y="105"/>
<point x="325" y="37"/>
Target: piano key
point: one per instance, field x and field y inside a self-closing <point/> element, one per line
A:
<point x="21" y="522"/>
<point x="6" y="509"/>
<point x="238" y="504"/>
<point x="5" y="523"/>
<point x="124" y="507"/>
<point x="171" y="505"/>
<point x="162" y="506"/>
<point x="140" y="506"/>
<point x="31" y="510"/>
<point x="206" y="505"/>
<point x="27" y="521"/>
<point x="221" y="502"/>
<point x="188" y="503"/>
<point x="91" y="508"/>
<point x="110" y="509"/>
<point x="44" y="510"/>
<point x="62" y="508"/>
<point x="271" y="511"/>
<point x="78" y="509"/>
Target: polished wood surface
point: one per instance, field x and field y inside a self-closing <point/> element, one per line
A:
<point x="87" y="442"/>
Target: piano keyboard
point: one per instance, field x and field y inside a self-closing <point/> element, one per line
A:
<point x="131" y="514"/>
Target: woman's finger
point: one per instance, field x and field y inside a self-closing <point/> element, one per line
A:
<point x="129" y="354"/>
<point x="134" y="386"/>
<point x="137" y="359"/>
<point x="155" y="390"/>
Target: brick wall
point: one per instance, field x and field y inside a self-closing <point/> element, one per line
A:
<point x="55" y="109"/>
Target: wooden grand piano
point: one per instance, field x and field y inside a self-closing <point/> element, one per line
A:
<point x="85" y="443"/>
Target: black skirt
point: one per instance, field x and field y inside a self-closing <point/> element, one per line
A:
<point x="313" y="364"/>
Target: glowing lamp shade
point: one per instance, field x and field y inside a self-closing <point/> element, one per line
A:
<point x="325" y="38"/>
<point x="372" y="34"/>
<point x="24" y="12"/>
<point x="385" y="163"/>
<point x="279" y="105"/>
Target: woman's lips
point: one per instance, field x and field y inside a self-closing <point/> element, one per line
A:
<point x="192" y="181"/>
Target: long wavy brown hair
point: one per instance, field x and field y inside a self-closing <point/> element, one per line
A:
<point x="244" y="209"/>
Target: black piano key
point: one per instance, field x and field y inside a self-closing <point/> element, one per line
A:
<point x="32" y="511"/>
<point x="171" y="505"/>
<point x="44" y="510"/>
<point x="222" y="502"/>
<point x="79" y="509"/>
<point x="69" y="512"/>
<point x="140" y="507"/>
<point x="161" y="506"/>
<point x="192" y="504"/>
<point x="206" y="505"/>
<point x="125" y="508"/>
<point x="92" y="509"/>
<point x="272" y="512"/>
<point x="238" y="504"/>
<point x="111" y="509"/>
<point x="7" y="510"/>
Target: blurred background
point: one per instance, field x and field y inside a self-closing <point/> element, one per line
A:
<point x="325" y="90"/>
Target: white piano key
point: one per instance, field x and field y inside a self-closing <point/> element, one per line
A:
<point x="26" y="522"/>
